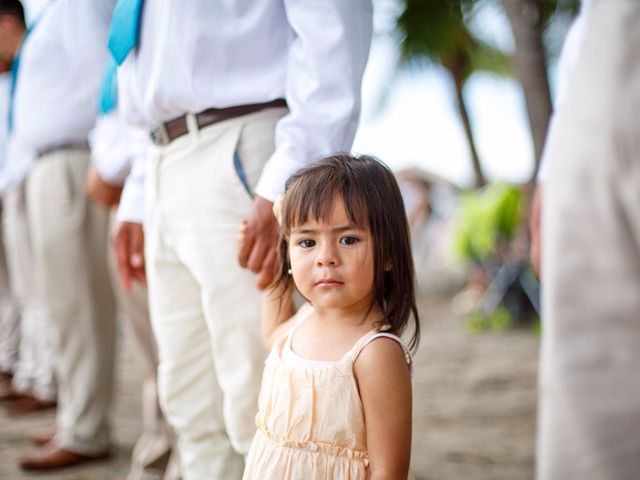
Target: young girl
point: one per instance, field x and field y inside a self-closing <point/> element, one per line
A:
<point x="336" y="393"/>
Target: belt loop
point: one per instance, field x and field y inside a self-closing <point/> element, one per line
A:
<point x="192" y="124"/>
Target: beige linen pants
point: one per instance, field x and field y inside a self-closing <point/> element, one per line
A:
<point x="34" y="369"/>
<point x="589" y="413"/>
<point x="70" y="240"/>
<point x="154" y="456"/>
<point x="9" y="313"/>
<point x="204" y="307"/>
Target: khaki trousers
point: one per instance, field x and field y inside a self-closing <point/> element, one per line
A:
<point x="589" y="413"/>
<point x="204" y="307"/>
<point x="34" y="369"/>
<point x="69" y="238"/>
<point x="9" y="312"/>
<point x="154" y="456"/>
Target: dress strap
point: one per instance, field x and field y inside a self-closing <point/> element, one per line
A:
<point x="284" y="338"/>
<point x="371" y="336"/>
<point x="296" y="324"/>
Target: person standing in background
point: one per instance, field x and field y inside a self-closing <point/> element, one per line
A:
<point x="54" y="107"/>
<point x="114" y="147"/>
<point x="32" y="384"/>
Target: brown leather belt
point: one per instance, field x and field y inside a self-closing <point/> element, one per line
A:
<point x="172" y="129"/>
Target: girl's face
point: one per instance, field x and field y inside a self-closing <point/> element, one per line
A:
<point x="332" y="262"/>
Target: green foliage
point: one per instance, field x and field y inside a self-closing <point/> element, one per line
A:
<point x="486" y="218"/>
<point x="537" y="326"/>
<point x="476" y="322"/>
<point x="435" y="32"/>
<point x="499" y="321"/>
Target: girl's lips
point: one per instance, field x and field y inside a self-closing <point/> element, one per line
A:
<point x="327" y="283"/>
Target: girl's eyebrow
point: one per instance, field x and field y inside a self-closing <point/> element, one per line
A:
<point x="342" y="228"/>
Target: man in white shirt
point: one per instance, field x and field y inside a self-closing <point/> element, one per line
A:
<point x="589" y="409"/>
<point x="210" y="80"/>
<point x="32" y="384"/>
<point x="59" y="70"/>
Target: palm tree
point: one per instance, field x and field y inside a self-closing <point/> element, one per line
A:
<point x="529" y="19"/>
<point x="435" y="32"/>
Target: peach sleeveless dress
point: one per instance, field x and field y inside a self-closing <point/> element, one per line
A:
<point x="310" y="420"/>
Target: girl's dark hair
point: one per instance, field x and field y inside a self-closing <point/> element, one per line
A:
<point x="372" y="199"/>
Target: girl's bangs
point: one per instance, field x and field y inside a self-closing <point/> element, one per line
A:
<point x="316" y="202"/>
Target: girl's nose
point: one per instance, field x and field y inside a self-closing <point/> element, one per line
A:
<point x="327" y="256"/>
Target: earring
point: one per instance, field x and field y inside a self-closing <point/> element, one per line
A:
<point x="289" y="271"/>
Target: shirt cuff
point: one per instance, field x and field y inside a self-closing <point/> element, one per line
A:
<point x="275" y="174"/>
<point x="131" y="208"/>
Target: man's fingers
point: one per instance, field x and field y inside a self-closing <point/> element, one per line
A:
<point x="246" y="247"/>
<point x="258" y="254"/>
<point x="267" y="271"/>
<point x="136" y="253"/>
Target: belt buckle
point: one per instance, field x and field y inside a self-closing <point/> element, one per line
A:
<point x="160" y="136"/>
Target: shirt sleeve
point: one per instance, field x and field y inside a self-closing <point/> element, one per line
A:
<point x="114" y="145"/>
<point x="324" y="77"/>
<point x="131" y="208"/>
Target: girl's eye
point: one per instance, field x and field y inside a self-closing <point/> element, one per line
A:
<point x="349" y="240"/>
<point x="306" y="243"/>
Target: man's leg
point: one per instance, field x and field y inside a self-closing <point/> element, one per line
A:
<point x="205" y="308"/>
<point x="34" y="371"/>
<point x="231" y="300"/>
<point x="9" y="311"/>
<point x="70" y="238"/>
<point x="153" y="450"/>
<point x="189" y="392"/>
<point x="589" y="388"/>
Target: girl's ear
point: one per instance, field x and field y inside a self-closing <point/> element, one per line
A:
<point x="388" y="266"/>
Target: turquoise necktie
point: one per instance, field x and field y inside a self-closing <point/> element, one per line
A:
<point x="125" y="28"/>
<point x="109" y="90"/>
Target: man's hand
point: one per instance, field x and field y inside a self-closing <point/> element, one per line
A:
<point x="101" y="192"/>
<point x="128" y="243"/>
<point x="534" y="228"/>
<point x="257" y="250"/>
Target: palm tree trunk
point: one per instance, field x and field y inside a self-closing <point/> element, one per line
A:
<point x="480" y="179"/>
<point x="531" y="68"/>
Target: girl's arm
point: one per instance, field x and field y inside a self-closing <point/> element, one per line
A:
<point x="275" y="311"/>
<point x="384" y="381"/>
<point x="275" y="314"/>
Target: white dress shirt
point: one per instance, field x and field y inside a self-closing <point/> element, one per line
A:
<point x="56" y="94"/>
<point x="115" y="145"/>
<point x="118" y="151"/>
<point x="200" y="54"/>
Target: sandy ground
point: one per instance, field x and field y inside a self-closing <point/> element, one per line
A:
<point x="474" y="408"/>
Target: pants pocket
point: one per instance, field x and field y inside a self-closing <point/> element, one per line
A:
<point x="241" y="174"/>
